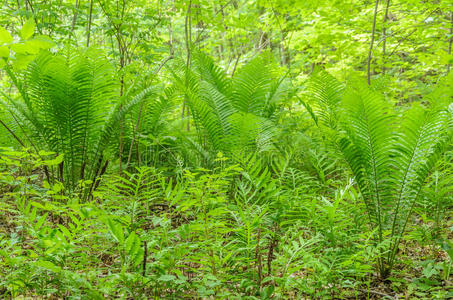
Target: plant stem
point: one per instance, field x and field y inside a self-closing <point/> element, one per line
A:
<point x="368" y="68"/>
<point x="188" y="37"/>
<point x="451" y="40"/>
<point x="89" y="23"/>
<point x="384" y="33"/>
<point x="13" y="134"/>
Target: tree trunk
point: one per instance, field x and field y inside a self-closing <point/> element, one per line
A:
<point x="384" y="33"/>
<point x="368" y="68"/>
<point x="89" y="23"/>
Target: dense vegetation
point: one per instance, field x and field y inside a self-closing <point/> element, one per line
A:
<point x="279" y="149"/>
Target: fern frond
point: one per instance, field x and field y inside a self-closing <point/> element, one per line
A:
<point x="250" y="87"/>
<point x="326" y="92"/>
<point x="421" y="140"/>
<point x="366" y="145"/>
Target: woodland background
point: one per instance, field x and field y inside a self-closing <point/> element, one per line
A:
<point x="263" y="149"/>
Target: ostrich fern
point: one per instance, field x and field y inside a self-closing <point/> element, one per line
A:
<point x="390" y="157"/>
<point x="70" y="104"/>
<point x="232" y="114"/>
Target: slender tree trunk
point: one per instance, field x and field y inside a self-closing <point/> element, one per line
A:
<point x="236" y="63"/>
<point x="124" y="59"/>
<point x="223" y="45"/>
<point x="123" y="51"/>
<point x="121" y="146"/>
<point x="384" y="35"/>
<point x="258" y="261"/>
<point x="282" y="50"/>
<point x="138" y="121"/>
<point x="18" y="9"/>
<point x="89" y="23"/>
<point x="30" y="5"/>
<point x="368" y="68"/>
<point x="170" y="33"/>
<point x="145" y="257"/>
<point x="76" y="13"/>
<point x="451" y="40"/>
<point x="188" y="36"/>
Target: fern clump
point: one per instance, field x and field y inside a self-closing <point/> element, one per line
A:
<point x="70" y="104"/>
<point x="390" y="156"/>
<point x="232" y="114"/>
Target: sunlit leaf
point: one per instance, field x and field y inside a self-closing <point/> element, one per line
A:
<point x="28" y="29"/>
<point x="5" y="36"/>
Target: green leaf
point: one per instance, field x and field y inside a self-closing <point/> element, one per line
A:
<point x="45" y="153"/>
<point x="25" y="48"/>
<point x="65" y="231"/>
<point x="56" y="161"/>
<point x="4" y="51"/>
<point x="40" y="221"/>
<point x="74" y="219"/>
<point x="116" y="230"/>
<point x="132" y="244"/>
<point x="37" y="204"/>
<point x="32" y="215"/>
<point x="22" y="61"/>
<point x="41" y="42"/>
<point x="138" y="258"/>
<point x="28" y="29"/>
<point x="47" y="265"/>
<point x="166" y="278"/>
<point x="56" y="188"/>
<point x="5" y="37"/>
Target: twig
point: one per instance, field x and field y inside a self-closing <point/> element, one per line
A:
<point x="410" y="33"/>
<point x="145" y="256"/>
<point x="12" y="133"/>
<point x="376" y="293"/>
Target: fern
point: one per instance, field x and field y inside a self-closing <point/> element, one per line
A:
<point x="420" y="143"/>
<point x="326" y="92"/>
<point x="139" y="190"/>
<point x="71" y="106"/>
<point x="366" y="147"/>
<point x="236" y="114"/>
<point x="390" y="162"/>
<point x="250" y="87"/>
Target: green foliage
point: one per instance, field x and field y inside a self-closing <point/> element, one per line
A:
<point x="68" y="105"/>
<point x="18" y="54"/>
<point x="226" y="149"/>
<point x="390" y="159"/>
<point x="326" y="91"/>
<point x="236" y="114"/>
